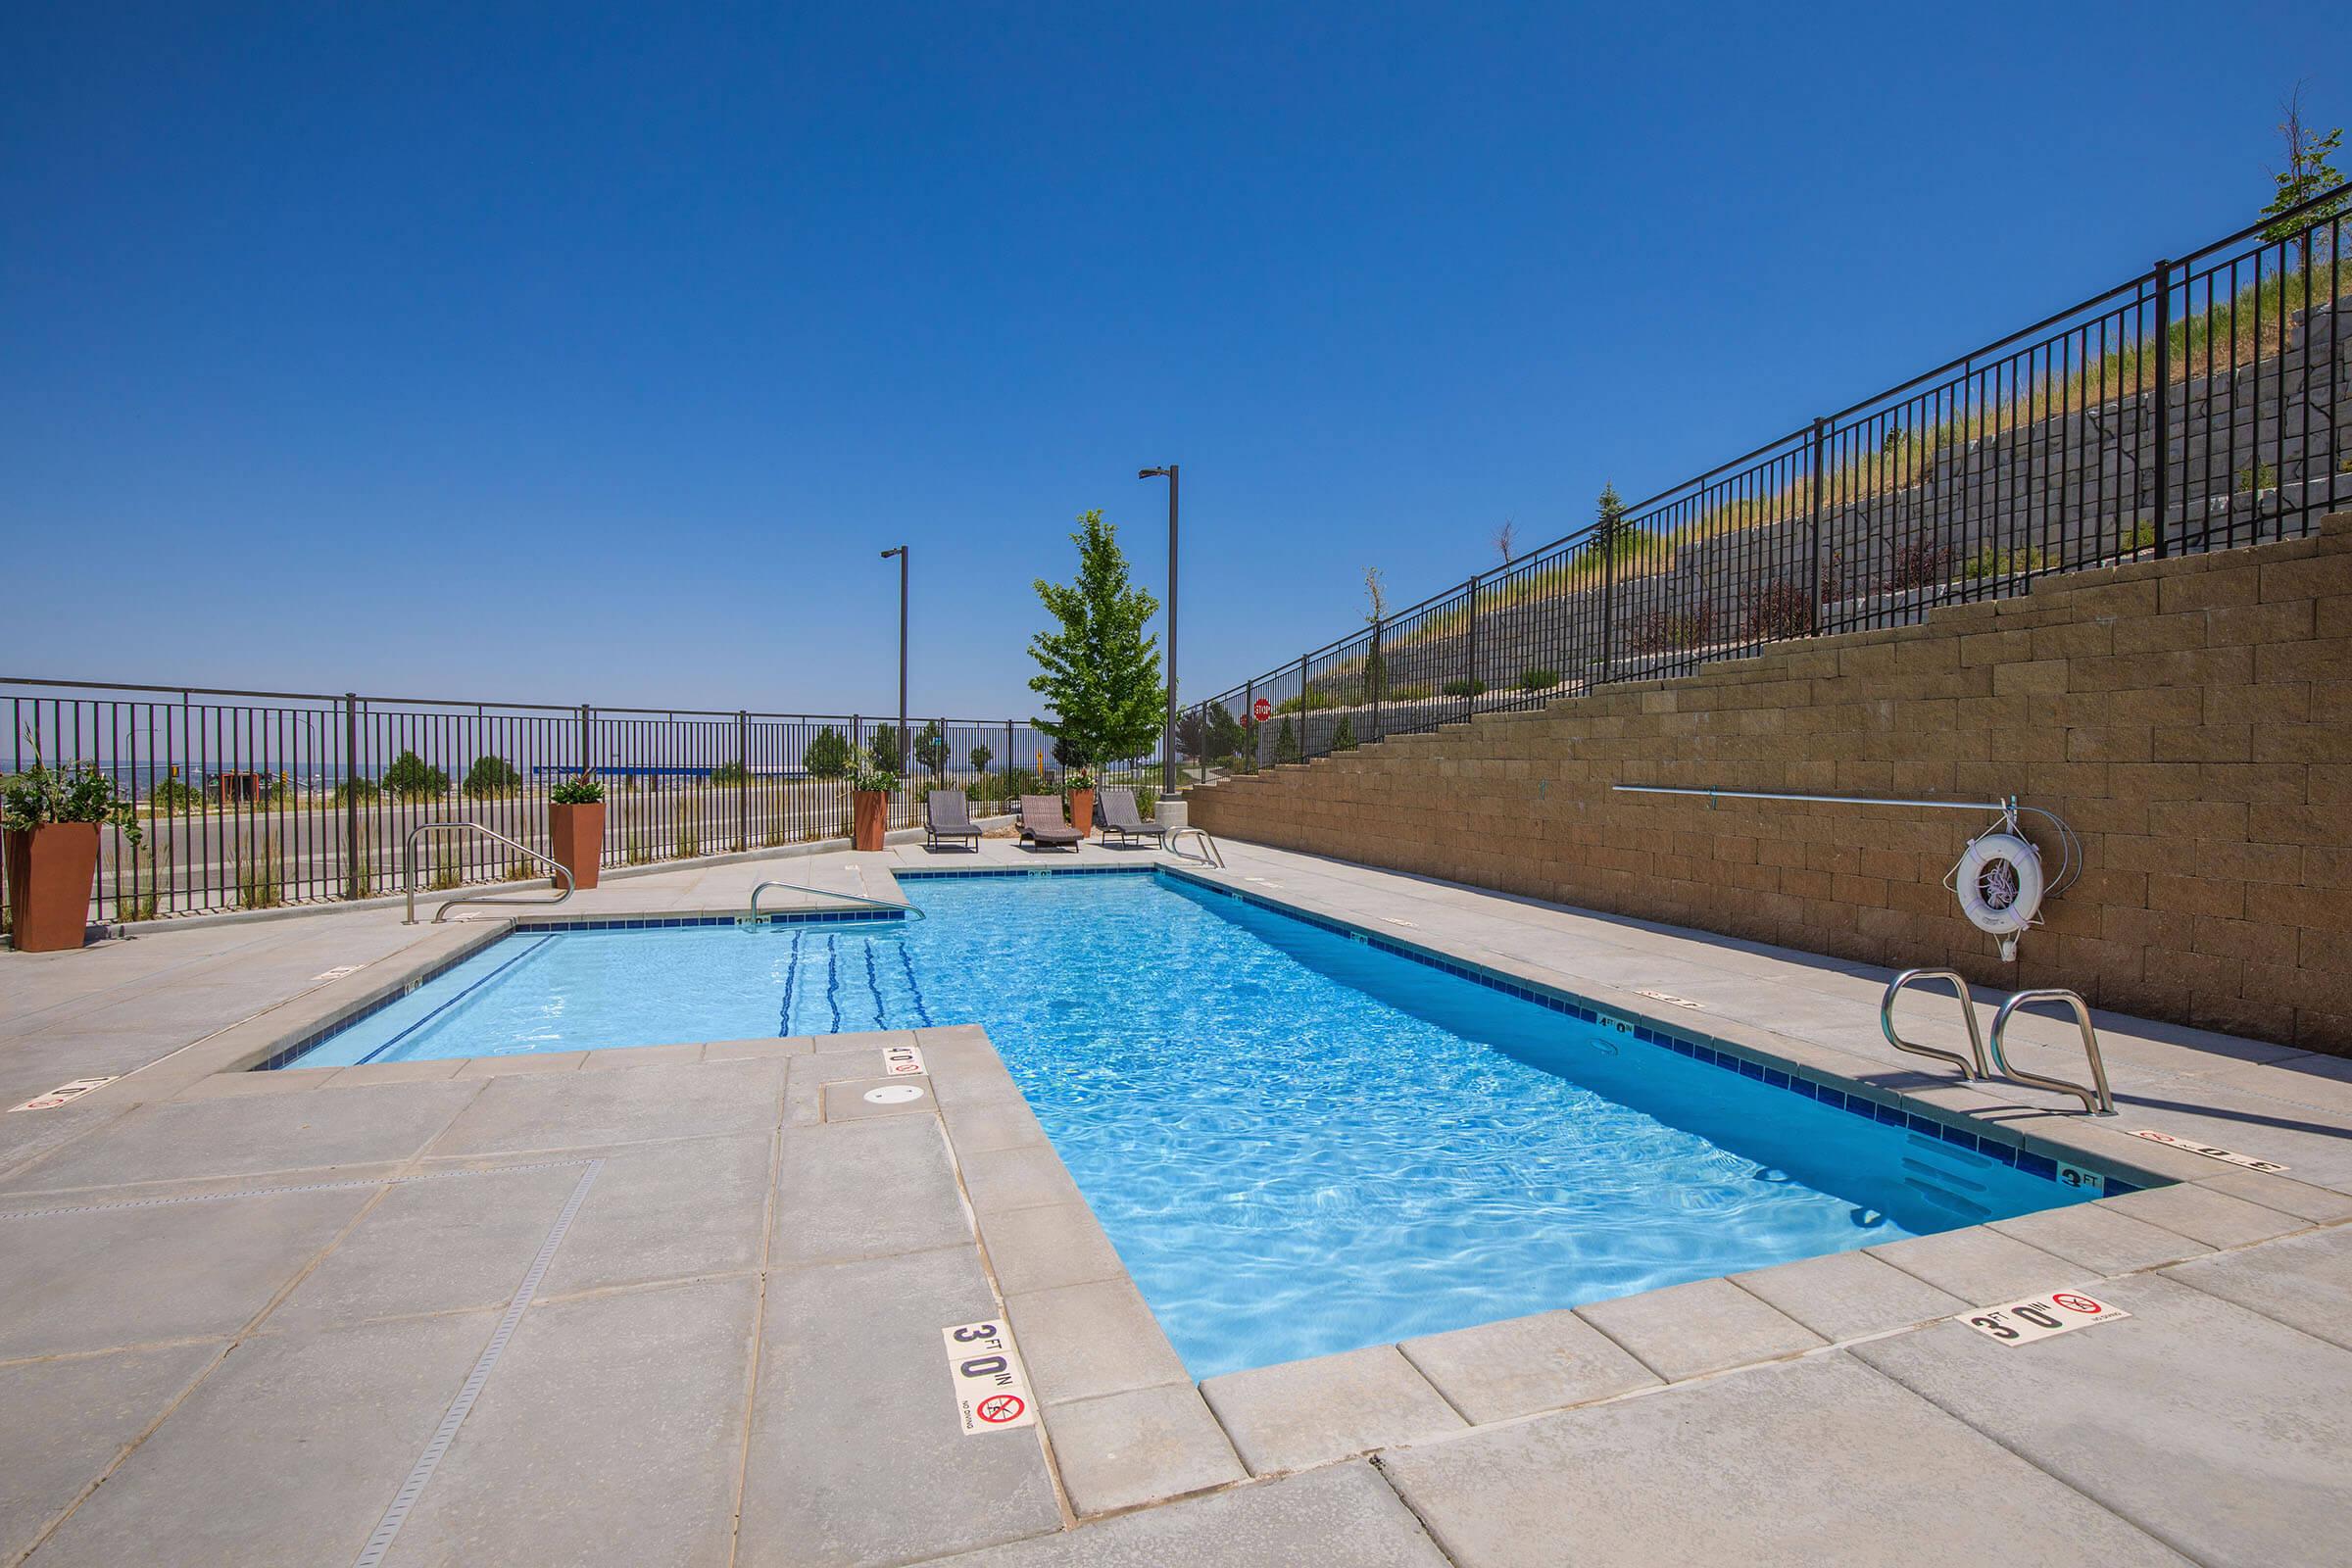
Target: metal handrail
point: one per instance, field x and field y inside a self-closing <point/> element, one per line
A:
<point x="2095" y="1098"/>
<point x="407" y="869"/>
<point x="831" y="893"/>
<point x="1968" y="1012"/>
<point x="1213" y="856"/>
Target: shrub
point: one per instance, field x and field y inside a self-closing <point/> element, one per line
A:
<point x="827" y="755"/>
<point x="1537" y="680"/>
<point x="412" y="778"/>
<point x="261" y="876"/>
<point x="1916" y="564"/>
<point x="42" y="795"/>
<point x="632" y="849"/>
<point x="1342" y="739"/>
<point x="1146" y="800"/>
<point x="883" y="752"/>
<point x="1779" y="609"/>
<point x="355" y="789"/>
<point x="359" y="877"/>
<point x="582" y="791"/>
<point x="1659" y="631"/>
<point x="176" y="794"/>
<point x="491" y="776"/>
<point x="1286" y="744"/>
<point x="1462" y="686"/>
<point x="2258" y="476"/>
<point x="730" y="774"/>
<point x="1990" y="563"/>
<point x="980" y="756"/>
<point x="686" y="834"/>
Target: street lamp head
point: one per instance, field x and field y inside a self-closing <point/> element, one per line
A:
<point x="1151" y="473"/>
<point x="898" y="550"/>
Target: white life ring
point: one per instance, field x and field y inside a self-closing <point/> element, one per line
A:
<point x="1999" y="883"/>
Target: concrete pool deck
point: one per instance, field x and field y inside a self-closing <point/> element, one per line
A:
<point x="236" y="1308"/>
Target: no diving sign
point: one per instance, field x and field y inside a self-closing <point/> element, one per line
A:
<point x="901" y="1061"/>
<point x="990" y="1383"/>
<point x="2024" y="1322"/>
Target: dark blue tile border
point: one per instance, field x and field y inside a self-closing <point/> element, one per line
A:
<point x="938" y="873"/>
<point x="1882" y="1106"/>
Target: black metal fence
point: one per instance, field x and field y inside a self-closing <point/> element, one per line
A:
<point x="2198" y="407"/>
<point x="252" y="800"/>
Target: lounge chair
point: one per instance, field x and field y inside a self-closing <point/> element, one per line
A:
<point x="947" y="815"/>
<point x="1042" y="823"/>
<point x="1117" y="810"/>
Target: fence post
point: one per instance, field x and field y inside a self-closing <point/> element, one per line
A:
<point x="1303" y="753"/>
<point x="1249" y="720"/>
<point x="1814" y="598"/>
<point x="585" y="760"/>
<point x="1007" y="758"/>
<point x="1608" y="603"/>
<point x="351" y="794"/>
<point x="1470" y="693"/>
<point x="2163" y="445"/>
<point x="1379" y="667"/>
<point x="743" y="780"/>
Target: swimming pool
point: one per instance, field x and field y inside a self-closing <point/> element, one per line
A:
<point x="1298" y="1142"/>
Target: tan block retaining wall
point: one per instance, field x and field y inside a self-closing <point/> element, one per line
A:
<point x="2190" y="719"/>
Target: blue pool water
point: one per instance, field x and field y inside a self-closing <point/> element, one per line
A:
<point x="1298" y="1143"/>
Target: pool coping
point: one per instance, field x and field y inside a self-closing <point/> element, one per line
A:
<point x="1138" y="1430"/>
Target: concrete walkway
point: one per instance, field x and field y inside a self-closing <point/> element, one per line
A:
<point x="704" y="1290"/>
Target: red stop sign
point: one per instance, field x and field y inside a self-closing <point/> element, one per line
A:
<point x="1261" y="710"/>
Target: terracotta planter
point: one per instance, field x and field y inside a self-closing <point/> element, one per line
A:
<point x="50" y="871"/>
<point x="1082" y="811"/>
<point x="575" y="837"/>
<point x="869" y="818"/>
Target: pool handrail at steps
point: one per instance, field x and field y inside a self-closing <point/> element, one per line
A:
<point x="753" y="912"/>
<point x="2096" y="1098"/>
<point x="408" y="870"/>
<point x="1968" y="1013"/>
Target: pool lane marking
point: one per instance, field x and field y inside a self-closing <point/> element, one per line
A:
<point x="792" y="974"/>
<point x="874" y="983"/>
<point x="833" y="979"/>
<point x="378" y="1544"/>
<point x="274" y="1192"/>
<point x="922" y="1014"/>
<point x="454" y="1001"/>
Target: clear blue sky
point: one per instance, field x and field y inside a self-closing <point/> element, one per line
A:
<point x="593" y="353"/>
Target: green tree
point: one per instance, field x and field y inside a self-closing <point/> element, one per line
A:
<point x="1342" y="739"/>
<point x="1375" y="665"/>
<point x="1224" y="732"/>
<point x="490" y="777"/>
<point x="1609" y="530"/>
<point x="412" y="778"/>
<point x="980" y="756"/>
<point x="2308" y="174"/>
<point x="1099" y="672"/>
<point x="931" y="748"/>
<point x="827" y="755"/>
<point x="1286" y="742"/>
<point x="883" y="749"/>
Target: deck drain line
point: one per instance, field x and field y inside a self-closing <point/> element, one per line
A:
<point x="274" y="1192"/>
<point x="451" y="1419"/>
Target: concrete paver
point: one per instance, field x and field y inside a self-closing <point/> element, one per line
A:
<point x="1085" y="1341"/>
<point x="1301" y="1413"/>
<point x="1523" y="1365"/>
<point x="855" y="1453"/>
<point x="609" y="1434"/>
<point x="1812" y="1463"/>
<point x="1684" y="1331"/>
<point x="1345" y="1514"/>
<point x="1981" y="1266"/>
<point x="2217" y="1430"/>
<point x="1144" y="1446"/>
<point x="68" y="1419"/>
<point x="866" y="1189"/>
<point x="2100" y="1237"/>
<point x="2302" y="1281"/>
<point x="1842" y="1295"/>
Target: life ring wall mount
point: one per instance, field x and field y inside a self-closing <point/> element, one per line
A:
<point x="2000" y="882"/>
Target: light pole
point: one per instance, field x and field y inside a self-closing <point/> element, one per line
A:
<point x="1167" y="736"/>
<point x="901" y="552"/>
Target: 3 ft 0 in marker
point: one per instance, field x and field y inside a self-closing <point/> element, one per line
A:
<point x="990" y="1383"/>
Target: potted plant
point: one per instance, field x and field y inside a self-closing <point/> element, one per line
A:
<point x="870" y="788"/>
<point x="49" y="838"/>
<point x="1078" y="789"/>
<point x="575" y="827"/>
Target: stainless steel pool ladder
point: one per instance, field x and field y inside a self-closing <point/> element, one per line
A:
<point x="407" y="869"/>
<point x="831" y="893"/>
<point x="2096" y="1098"/>
<point x="1213" y="856"/>
<point x="1967" y="1014"/>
